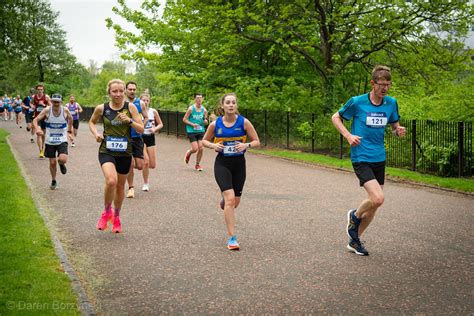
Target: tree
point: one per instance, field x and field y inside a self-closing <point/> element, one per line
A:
<point x="223" y="40"/>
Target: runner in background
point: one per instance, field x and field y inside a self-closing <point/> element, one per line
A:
<point x="40" y="102"/>
<point x="18" y="110"/>
<point x="195" y="119"/>
<point x="137" y="141"/>
<point x="2" y="110"/>
<point x="58" y="123"/>
<point x="75" y="108"/>
<point x="153" y="125"/>
<point x="29" y="112"/>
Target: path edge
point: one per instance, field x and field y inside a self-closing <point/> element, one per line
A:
<point x="84" y="304"/>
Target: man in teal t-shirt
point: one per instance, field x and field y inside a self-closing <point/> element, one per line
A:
<point x="370" y="113"/>
<point x="195" y="120"/>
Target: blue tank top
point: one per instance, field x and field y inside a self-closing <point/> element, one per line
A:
<point x="133" y="132"/>
<point x="230" y="136"/>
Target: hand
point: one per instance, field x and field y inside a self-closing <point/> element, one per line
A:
<point x="219" y="147"/>
<point x="99" y="138"/>
<point x="123" y="117"/>
<point x="241" y="147"/>
<point x="353" y="140"/>
<point x="400" y="131"/>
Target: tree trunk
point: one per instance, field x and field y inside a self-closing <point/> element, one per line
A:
<point x="40" y="69"/>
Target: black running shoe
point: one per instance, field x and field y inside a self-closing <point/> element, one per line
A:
<point x="358" y="247"/>
<point x="53" y="185"/>
<point x="63" y="168"/>
<point x="352" y="225"/>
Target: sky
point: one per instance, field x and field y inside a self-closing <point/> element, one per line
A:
<point x="87" y="33"/>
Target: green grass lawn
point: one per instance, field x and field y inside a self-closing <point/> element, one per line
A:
<point x="32" y="280"/>
<point x="460" y="184"/>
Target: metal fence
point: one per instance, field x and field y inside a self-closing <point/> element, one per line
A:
<point x="436" y="147"/>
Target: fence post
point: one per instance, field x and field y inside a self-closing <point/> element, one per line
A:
<point x="167" y="122"/>
<point x="288" y="130"/>
<point x="265" y="128"/>
<point x="341" y="141"/>
<point x="413" y="145"/>
<point x="177" y="124"/>
<point x="460" y="149"/>
<point x="312" y="132"/>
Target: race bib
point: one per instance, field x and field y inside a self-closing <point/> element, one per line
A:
<point x="376" y="119"/>
<point x="30" y="110"/>
<point x="116" y="143"/>
<point x="72" y="112"/>
<point x="197" y="128"/>
<point x="230" y="149"/>
<point x="39" y="108"/>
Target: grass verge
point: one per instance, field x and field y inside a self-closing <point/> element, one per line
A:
<point x="32" y="280"/>
<point x="458" y="184"/>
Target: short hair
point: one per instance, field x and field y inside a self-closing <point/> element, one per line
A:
<point x="198" y="93"/>
<point x="145" y="95"/>
<point x="381" y="72"/>
<point x="129" y="83"/>
<point x="111" y="82"/>
<point x="39" y="85"/>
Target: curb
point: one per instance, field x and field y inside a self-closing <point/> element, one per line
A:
<point x="387" y="177"/>
<point x="84" y="304"/>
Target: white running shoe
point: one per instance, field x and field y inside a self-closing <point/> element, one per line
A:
<point x="146" y="187"/>
<point x="73" y="144"/>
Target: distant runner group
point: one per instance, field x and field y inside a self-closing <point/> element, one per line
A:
<point x="128" y="142"/>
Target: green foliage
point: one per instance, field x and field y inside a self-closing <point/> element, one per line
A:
<point x="442" y="157"/>
<point x="30" y="270"/>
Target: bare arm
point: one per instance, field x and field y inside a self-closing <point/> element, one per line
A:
<point x="79" y="107"/>
<point x="69" y="122"/>
<point x="207" y="139"/>
<point x="38" y="118"/>
<point x="137" y="123"/>
<point x="144" y="112"/>
<point x="158" y="122"/>
<point x="353" y="140"/>
<point x="186" y="117"/>
<point x="252" y="135"/>
<point x="398" y="130"/>
<point x="98" y="111"/>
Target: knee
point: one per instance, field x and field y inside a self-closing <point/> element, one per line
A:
<point x="62" y="160"/>
<point x="111" y="181"/>
<point x="139" y="165"/>
<point x="152" y="165"/>
<point x="194" y="150"/>
<point x="231" y="202"/>
<point x="146" y="164"/>
<point x="378" y="200"/>
<point x="52" y="163"/>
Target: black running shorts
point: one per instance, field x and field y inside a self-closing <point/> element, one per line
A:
<point x="194" y="137"/>
<point x="51" y="150"/>
<point x="122" y="163"/>
<point x="367" y="171"/>
<point x="75" y="124"/>
<point x="149" y="140"/>
<point x="137" y="147"/>
<point x="230" y="173"/>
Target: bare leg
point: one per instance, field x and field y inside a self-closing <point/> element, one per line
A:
<point x="367" y="209"/>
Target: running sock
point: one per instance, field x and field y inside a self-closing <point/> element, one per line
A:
<point x="116" y="212"/>
<point x="130" y="187"/>
<point x="108" y="208"/>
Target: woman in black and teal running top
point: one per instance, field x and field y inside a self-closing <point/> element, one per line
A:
<point x="233" y="135"/>
<point x="115" y="151"/>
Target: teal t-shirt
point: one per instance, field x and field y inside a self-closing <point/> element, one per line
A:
<point x="196" y="118"/>
<point x="369" y="122"/>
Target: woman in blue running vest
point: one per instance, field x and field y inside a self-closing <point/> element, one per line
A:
<point x="370" y="114"/>
<point x="230" y="135"/>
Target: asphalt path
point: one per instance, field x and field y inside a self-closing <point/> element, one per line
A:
<point x="171" y="257"/>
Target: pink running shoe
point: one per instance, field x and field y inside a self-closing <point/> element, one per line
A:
<point x="104" y="219"/>
<point x="117" y="228"/>
<point x="198" y="167"/>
